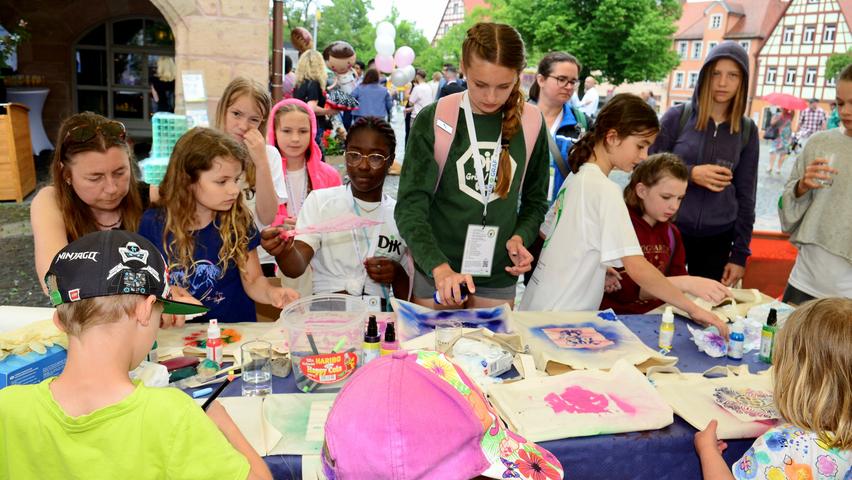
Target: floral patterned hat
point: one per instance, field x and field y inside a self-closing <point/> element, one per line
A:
<point x="415" y="415"/>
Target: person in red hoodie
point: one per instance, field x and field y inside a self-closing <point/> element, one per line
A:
<point x="653" y="196"/>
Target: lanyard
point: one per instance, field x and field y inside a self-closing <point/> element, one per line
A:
<point x="367" y="236"/>
<point x="484" y="189"/>
<point x="295" y="207"/>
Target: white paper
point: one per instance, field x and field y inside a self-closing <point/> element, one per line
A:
<point x="479" y="246"/>
<point x="193" y="87"/>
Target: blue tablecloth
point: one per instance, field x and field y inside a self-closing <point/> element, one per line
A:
<point x="659" y="454"/>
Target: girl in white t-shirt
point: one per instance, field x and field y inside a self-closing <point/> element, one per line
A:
<point x="590" y="225"/>
<point x="363" y="261"/>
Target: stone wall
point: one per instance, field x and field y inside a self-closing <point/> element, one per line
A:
<point x="221" y="38"/>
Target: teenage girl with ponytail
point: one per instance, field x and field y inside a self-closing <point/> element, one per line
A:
<point x="591" y="227"/>
<point x="438" y="211"/>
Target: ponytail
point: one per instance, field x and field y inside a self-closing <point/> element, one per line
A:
<point x="581" y="152"/>
<point x="534" y="91"/>
<point x="502" y="45"/>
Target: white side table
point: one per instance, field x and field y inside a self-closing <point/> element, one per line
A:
<point x="34" y="99"/>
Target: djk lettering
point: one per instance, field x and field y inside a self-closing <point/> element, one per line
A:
<point x="392" y="246"/>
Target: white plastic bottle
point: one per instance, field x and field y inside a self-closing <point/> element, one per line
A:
<point x="736" y="343"/>
<point x="214" y="341"/>
<point x="667" y="329"/>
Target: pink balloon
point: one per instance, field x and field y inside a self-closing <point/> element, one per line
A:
<point x="384" y="63"/>
<point x="404" y="56"/>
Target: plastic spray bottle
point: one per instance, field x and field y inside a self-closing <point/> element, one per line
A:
<point x="391" y="343"/>
<point x="462" y="289"/>
<point x="667" y="329"/>
<point x="214" y="341"/>
<point x="372" y="341"/>
<point x="736" y="343"/>
<point x="767" y="337"/>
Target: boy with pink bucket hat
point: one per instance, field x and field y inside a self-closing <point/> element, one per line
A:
<point x="415" y="415"/>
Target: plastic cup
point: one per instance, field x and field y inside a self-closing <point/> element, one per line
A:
<point x="446" y="334"/>
<point x="830" y="161"/>
<point x="257" y="368"/>
<point x="725" y="163"/>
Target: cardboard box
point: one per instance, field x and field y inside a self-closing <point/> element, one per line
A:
<point x="32" y="367"/>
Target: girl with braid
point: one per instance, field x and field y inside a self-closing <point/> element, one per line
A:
<point x="365" y="262"/>
<point x="492" y="197"/>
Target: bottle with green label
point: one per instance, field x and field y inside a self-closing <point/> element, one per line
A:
<point x="767" y="337"/>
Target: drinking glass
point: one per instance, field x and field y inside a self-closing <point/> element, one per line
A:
<point x="830" y="161"/>
<point x="446" y="334"/>
<point x="257" y="368"/>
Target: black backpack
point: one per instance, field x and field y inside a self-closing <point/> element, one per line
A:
<point x="745" y="133"/>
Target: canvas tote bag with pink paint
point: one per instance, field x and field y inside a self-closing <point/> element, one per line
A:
<point x="581" y="403"/>
<point x="739" y="400"/>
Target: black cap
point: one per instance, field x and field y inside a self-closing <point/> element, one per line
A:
<point x="112" y="262"/>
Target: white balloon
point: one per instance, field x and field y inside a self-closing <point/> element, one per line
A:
<point x="384" y="45"/>
<point x="409" y="72"/>
<point x="398" y="78"/>
<point x="404" y="56"/>
<point x="386" y="29"/>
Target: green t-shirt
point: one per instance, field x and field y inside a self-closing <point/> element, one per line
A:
<point x="435" y="224"/>
<point x="154" y="433"/>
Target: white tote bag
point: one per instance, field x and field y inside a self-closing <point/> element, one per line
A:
<point x="581" y="403"/>
<point x="562" y="341"/>
<point x="740" y="401"/>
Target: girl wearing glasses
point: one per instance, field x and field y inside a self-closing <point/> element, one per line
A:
<point x="555" y="83"/>
<point x="292" y="126"/>
<point x="482" y="197"/>
<point x="94" y="187"/>
<point x="364" y="261"/>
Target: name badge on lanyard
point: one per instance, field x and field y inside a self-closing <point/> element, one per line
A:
<point x="481" y="240"/>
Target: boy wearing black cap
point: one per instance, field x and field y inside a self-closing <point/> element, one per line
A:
<point x="109" y="289"/>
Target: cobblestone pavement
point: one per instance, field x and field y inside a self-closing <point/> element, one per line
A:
<point x="19" y="285"/>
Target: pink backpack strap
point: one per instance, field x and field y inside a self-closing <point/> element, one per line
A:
<point x="531" y="121"/>
<point x="446" y="118"/>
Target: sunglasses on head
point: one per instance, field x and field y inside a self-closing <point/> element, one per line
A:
<point x="111" y="130"/>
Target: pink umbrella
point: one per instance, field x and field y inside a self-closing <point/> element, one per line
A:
<point x="785" y="100"/>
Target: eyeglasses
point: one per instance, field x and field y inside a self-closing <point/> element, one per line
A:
<point x="375" y="160"/>
<point x="111" y="130"/>
<point x="565" y="81"/>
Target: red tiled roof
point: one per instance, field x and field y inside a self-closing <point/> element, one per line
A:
<point x="846" y="8"/>
<point x="691" y="19"/>
<point x="469" y="5"/>
<point x="759" y="19"/>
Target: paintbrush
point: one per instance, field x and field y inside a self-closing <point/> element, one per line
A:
<point x="218" y="391"/>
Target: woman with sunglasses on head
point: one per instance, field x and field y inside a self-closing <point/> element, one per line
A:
<point x="94" y="187"/>
<point x="364" y="261"/>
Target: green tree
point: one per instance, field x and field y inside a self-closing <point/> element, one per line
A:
<point x="627" y="40"/>
<point x="448" y="48"/>
<point x="347" y="20"/>
<point x="837" y="62"/>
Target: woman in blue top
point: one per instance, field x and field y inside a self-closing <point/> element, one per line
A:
<point x="720" y="148"/>
<point x="555" y="83"/>
<point x="373" y="98"/>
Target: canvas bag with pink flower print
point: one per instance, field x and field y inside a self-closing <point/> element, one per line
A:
<point x="581" y="403"/>
<point x="691" y="395"/>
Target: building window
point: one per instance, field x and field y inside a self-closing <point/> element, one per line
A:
<point x="810" y="76"/>
<point x="830" y="82"/>
<point x="678" y="83"/>
<point x="711" y="46"/>
<point x="745" y="44"/>
<point x="829" y="34"/>
<point x="696" y="50"/>
<point x="771" y="74"/>
<point x="715" y="22"/>
<point x="810" y="33"/>
<point x="693" y="79"/>
<point x="790" y="76"/>
<point x="115" y="69"/>
<point x="681" y="49"/>
<point x="788" y="35"/>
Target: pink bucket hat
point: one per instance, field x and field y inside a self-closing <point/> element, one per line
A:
<point x="415" y="415"/>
